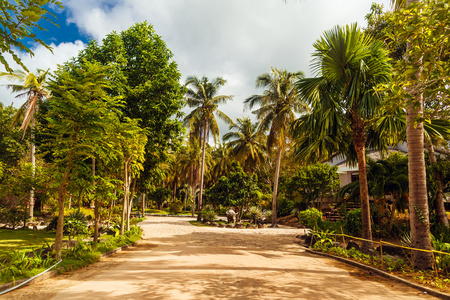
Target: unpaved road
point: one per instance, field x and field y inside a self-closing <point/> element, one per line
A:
<point x="179" y="261"/>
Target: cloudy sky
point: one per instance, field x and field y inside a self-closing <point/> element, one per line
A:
<point x="235" y="39"/>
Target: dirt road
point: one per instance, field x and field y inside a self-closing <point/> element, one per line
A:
<point x="179" y="261"/>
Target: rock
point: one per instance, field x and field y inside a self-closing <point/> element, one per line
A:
<point x="310" y="240"/>
<point x="351" y="244"/>
<point x="230" y="226"/>
<point x="251" y="226"/>
<point x="261" y="226"/>
<point x="239" y="226"/>
<point x="222" y="225"/>
<point x="213" y="224"/>
<point x="42" y="223"/>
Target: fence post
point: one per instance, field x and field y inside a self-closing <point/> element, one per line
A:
<point x="381" y="251"/>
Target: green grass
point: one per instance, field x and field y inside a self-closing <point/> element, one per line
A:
<point x="24" y="240"/>
<point x="201" y="224"/>
<point x="165" y="211"/>
<point x="14" y="263"/>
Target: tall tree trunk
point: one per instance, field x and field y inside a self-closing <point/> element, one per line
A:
<point x="33" y="167"/>
<point x="130" y="201"/>
<point x="126" y="187"/>
<point x="364" y="196"/>
<point x="418" y="201"/>
<point x="439" y="201"/>
<point x="275" y="187"/>
<point x="96" y="212"/>
<point x="202" y="172"/>
<point x="143" y="204"/>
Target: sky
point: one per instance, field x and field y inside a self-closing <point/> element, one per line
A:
<point x="235" y="39"/>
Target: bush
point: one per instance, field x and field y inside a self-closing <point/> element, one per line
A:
<point x="311" y="218"/>
<point x="208" y="213"/>
<point x="175" y="207"/>
<point x="255" y="214"/>
<point x="353" y="223"/>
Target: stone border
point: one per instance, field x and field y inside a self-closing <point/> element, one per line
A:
<point x="50" y="274"/>
<point x="427" y="290"/>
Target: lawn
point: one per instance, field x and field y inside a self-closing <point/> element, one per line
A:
<point x="23" y="240"/>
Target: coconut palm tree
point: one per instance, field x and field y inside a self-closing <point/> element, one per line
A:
<point x="202" y="95"/>
<point x="349" y="64"/>
<point x="247" y="143"/>
<point x="221" y="162"/>
<point x="33" y="87"/>
<point x="278" y="105"/>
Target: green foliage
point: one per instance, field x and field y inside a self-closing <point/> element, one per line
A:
<point x="75" y="224"/>
<point x="442" y="260"/>
<point x="255" y="214"/>
<point x="12" y="146"/>
<point x="144" y="74"/>
<point x="353" y="222"/>
<point x="324" y="241"/>
<point x="208" y="214"/>
<point x="239" y="190"/>
<point x="312" y="183"/>
<point x="160" y="195"/>
<point x="175" y="207"/>
<point x="17" y="21"/>
<point x="19" y="264"/>
<point x="311" y="218"/>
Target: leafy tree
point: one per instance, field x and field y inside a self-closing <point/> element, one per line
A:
<point x="278" y="105"/>
<point x="312" y="183"/>
<point x="12" y="146"/>
<point x="80" y="112"/>
<point x="160" y="195"/>
<point x="247" y="143"/>
<point x="240" y="189"/>
<point x="17" y="20"/>
<point x="33" y="87"/>
<point x="349" y="65"/>
<point x="143" y="73"/>
<point x="203" y="96"/>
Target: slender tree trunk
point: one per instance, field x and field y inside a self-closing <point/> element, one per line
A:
<point x="364" y="196"/>
<point x="130" y="201"/>
<point x="126" y="187"/>
<point x="202" y="172"/>
<point x="275" y="187"/>
<point x="33" y="167"/>
<point x="440" y="208"/>
<point x="143" y="204"/>
<point x="418" y="200"/>
<point x="96" y="212"/>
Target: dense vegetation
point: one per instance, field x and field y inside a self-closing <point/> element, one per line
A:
<point x="111" y="136"/>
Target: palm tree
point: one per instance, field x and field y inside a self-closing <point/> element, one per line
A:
<point x="203" y="95"/>
<point x="278" y="105"/>
<point x="221" y="161"/>
<point x="33" y="87"/>
<point x="349" y="64"/>
<point x="418" y="204"/>
<point x="247" y="143"/>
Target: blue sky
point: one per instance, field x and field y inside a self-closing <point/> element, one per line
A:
<point x="235" y="39"/>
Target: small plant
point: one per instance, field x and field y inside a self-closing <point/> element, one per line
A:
<point x="324" y="240"/>
<point x="353" y="224"/>
<point x="208" y="214"/>
<point x="255" y="214"/>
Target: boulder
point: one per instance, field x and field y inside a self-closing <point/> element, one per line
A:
<point x="239" y="226"/>
<point x="222" y="225"/>
<point x="230" y="226"/>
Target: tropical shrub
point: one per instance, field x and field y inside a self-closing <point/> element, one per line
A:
<point x="208" y="214"/>
<point x="255" y="214"/>
<point x="311" y="218"/>
<point x="353" y="223"/>
<point x="175" y="207"/>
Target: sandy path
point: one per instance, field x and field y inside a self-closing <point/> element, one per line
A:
<point x="179" y="261"/>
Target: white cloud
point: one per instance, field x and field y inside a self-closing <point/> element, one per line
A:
<point x="235" y="39"/>
<point x="42" y="59"/>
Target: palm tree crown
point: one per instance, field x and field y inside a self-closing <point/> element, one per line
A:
<point x="278" y="105"/>
<point x="203" y="96"/>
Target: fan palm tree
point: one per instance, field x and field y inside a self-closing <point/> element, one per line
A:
<point x="349" y="64"/>
<point x="33" y="87"/>
<point x="203" y="96"/>
<point x="247" y="143"/>
<point x="278" y="105"/>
